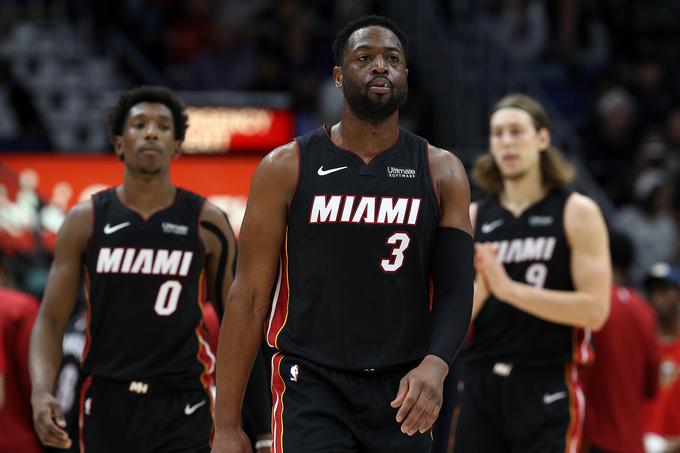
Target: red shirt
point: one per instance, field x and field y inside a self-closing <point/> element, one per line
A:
<point x="17" y="315"/>
<point x="623" y="375"/>
<point x="663" y="413"/>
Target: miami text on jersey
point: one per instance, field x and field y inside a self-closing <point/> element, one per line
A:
<point x="127" y="260"/>
<point x="362" y="209"/>
<point x="526" y="249"/>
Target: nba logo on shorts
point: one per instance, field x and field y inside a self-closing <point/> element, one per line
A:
<point x="294" y="373"/>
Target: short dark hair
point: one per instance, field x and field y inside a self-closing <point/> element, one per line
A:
<point x="341" y="38"/>
<point x="154" y="94"/>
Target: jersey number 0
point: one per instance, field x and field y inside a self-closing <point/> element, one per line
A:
<point x="167" y="298"/>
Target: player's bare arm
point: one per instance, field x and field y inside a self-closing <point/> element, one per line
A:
<point x="262" y="236"/>
<point x="420" y="392"/>
<point x="61" y="291"/>
<point x="482" y="292"/>
<point x="219" y="244"/>
<point x="588" y="305"/>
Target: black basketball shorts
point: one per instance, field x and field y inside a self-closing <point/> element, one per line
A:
<point x="118" y="416"/>
<point x="323" y="410"/>
<point x="506" y="408"/>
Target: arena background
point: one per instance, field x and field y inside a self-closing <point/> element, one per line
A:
<point x="256" y="73"/>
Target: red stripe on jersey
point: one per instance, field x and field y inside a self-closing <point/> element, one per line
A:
<point x="278" y="389"/>
<point x="203" y="354"/>
<point x="582" y="351"/>
<point x="279" y="310"/>
<point x="81" y="413"/>
<point x="576" y="409"/>
<point x="88" y="324"/>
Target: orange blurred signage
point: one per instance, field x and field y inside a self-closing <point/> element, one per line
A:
<point x="37" y="189"/>
<point x="228" y="129"/>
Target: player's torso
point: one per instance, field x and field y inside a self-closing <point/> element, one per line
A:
<point x="354" y="292"/>
<point x="534" y="250"/>
<point x="144" y="283"/>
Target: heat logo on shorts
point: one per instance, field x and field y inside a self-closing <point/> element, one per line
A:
<point x="294" y="370"/>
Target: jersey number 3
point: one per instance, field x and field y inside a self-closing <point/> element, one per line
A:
<point x="167" y="298"/>
<point x="400" y="241"/>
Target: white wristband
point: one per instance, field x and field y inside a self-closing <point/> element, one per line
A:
<point x="263" y="444"/>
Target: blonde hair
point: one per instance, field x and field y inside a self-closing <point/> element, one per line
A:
<point x="555" y="170"/>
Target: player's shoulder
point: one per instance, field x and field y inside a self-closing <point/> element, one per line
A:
<point x="282" y="158"/>
<point x="78" y="226"/>
<point x="578" y="205"/>
<point x="445" y="165"/>
<point x="81" y="214"/>
<point x="213" y="214"/>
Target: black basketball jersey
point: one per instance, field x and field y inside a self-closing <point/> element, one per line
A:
<point x="353" y="288"/>
<point x="144" y="282"/>
<point x="534" y="250"/>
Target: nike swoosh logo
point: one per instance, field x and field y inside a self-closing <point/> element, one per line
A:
<point x="189" y="409"/>
<point x="323" y="172"/>
<point x="550" y="398"/>
<point x="489" y="227"/>
<point x="108" y="229"/>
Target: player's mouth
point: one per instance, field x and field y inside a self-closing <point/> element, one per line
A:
<point x="150" y="149"/>
<point x="380" y="85"/>
<point x="510" y="158"/>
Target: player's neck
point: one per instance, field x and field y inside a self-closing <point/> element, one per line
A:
<point x="519" y="194"/>
<point x="146" y="195"/>
<point x="363" y="138"/>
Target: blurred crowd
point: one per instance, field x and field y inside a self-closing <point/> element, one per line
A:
<point x="610" y="67"/>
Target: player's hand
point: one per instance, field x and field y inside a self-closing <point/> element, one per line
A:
<point x="48" y="420"/>
<point x="232" y="440"/>
<point x="420" y="395"/>
<point x="493" y="272"/>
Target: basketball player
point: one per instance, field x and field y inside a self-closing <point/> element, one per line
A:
<point x="146" y="251"/>
<point x="343" y="227"/>
<point x="543" y="282"/>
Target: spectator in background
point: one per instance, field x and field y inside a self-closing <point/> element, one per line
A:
<point x="521" y="28"/>
<point x="190" y="33"/>
<point x="624" y="374"/>
<point x="611" y="141"/>
<point x="649" y="220"/>
<point x="663" y="413"/>
<point x="228" y="63"/>
<point x="17" y="315"/>
<point x="651" y="87"/>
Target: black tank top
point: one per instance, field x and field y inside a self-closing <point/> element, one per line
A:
<point x="353" y="291"/>
<point x="144" y="284"/>
<point x="534" y="250"/>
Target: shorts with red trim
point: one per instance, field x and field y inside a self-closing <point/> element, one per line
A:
<point x="507" y="408"/>
<point x="322" y="410"/>
<point x="137" y="416"/>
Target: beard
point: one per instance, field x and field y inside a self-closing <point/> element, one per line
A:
<point x="364" y="107"/>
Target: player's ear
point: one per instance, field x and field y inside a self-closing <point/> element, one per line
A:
<point x="118" y="147"/>
<point x="543" y="139"/>
<point x="337" y="76"/>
